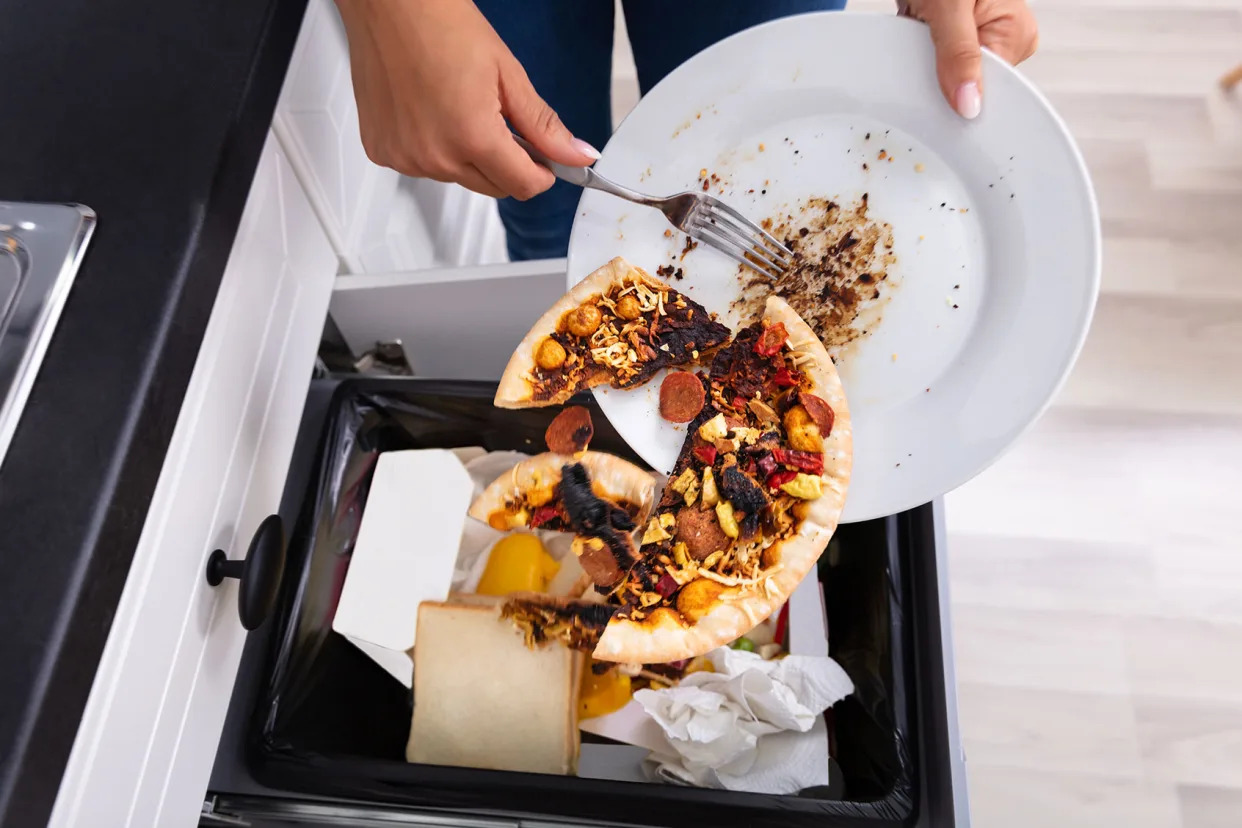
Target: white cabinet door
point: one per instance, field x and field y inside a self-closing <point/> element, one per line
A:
<point x="148" y="736"/>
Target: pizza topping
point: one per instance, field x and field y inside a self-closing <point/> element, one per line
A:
<point x="807" y="461"/>
<point x="578" y="624"/>
<point x="727" y="519"/>
<point x="819" y="411"/>
<point x="804" y="486"/>
<point x="763" y="411"/>
<point x="711" y="495"/>
<point x="697" y="598"/>
<point x="545" y="515"/>
<point x="596" y="518"/>
<point x="584" y="320"/>
<point x="657" y="529"/>
<point x="628" y="307"/>
<point x="706" y="454"/>
<point x="803" y="433"/>
<point x="570" y="432"/>
<point x="785" y="378"/>
<point x="771" y="340"/>
<point x="746" y="496"/>
<point x="597" y="561"/>
<point x="681" y="397"/>
<point x="550" y="355"/>
<point x="714" y="429"/>
<point x="779" y="478"/>
<point x="699" y="533"/>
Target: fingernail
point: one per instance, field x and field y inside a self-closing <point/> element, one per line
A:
<point x="586" y="149"/>
<point x="968" y="101"/>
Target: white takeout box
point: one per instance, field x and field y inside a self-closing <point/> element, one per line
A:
<point x="404" y="554"/>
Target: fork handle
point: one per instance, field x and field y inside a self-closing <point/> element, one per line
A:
<point x="581" y="176"/>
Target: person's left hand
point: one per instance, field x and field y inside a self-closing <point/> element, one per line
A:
<point x="959" y="28"/>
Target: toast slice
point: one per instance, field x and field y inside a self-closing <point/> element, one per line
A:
<point x="483" y="700"/>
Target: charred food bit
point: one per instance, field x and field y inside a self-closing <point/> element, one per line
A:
<point x="571" y="431"/>
<point x="595" y="518"/>
<point x="746" y="497"/>
<point x="576" y="624"/>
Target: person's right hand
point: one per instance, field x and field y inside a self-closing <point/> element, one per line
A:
<point x="435" y="84"/>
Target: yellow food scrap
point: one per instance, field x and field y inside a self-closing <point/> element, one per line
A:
<point x="517" y="563"/>
<point x="655" y="533"/>
<point x="683" y="481"/>
<point x="711" y="494"/>
<point x="714" y="429"/>
<point x="805" y="487"/>
<point x="728" y="523"/>
<point x="599" y="695"/>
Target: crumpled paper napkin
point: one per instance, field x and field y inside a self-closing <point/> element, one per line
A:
<point x="750" y="726"/>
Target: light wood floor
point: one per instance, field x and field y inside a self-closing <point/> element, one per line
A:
<point x="1097" y="569"/>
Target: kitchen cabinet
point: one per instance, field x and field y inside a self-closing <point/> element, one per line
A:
<point x="322" y="230"/>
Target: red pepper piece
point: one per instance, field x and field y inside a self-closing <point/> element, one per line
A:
<point x="780" y="478"/>
<point x="707" y="454"/>
<point x="542" y="515"/>
<point x="786" y="378"/>
<point x="771" y="340"/>
<point x="808" y="461"/>
<point x="666" y="586"/>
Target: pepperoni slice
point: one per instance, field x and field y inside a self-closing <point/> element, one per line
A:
<point x="820" y="411"/>
<point x="681" y="397"/>
<point x="570" y="432"/>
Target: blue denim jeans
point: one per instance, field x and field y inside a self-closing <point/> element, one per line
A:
<point x="566" y="49"/>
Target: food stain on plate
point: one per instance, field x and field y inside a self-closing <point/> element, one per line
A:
<point x="841" y="280"/>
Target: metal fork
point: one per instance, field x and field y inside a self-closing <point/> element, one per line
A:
<point x="699" y="216"/>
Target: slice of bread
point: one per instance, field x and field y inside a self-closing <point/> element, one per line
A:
<point x="482" y="699"/>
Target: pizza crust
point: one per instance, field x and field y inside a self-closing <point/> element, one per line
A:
<point x="617" y="478"/>
<point x="663" y="636"/>
<point x="515" y="390"/>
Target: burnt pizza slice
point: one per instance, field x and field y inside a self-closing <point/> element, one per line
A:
<point x="619" y="326"/>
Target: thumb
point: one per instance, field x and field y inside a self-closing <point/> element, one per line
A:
<point x="538" y="123"/>
<point x="959" y="62"/>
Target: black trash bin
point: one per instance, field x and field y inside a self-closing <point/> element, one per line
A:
<point x="316" y="731"/>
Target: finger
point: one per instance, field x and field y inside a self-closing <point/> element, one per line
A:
<point x="535" y="121"/>
<point x="468" y="176"/>
<point x="1013" y="38"/>
<point x="509" y="167"/>
<point x="959" y="62"/>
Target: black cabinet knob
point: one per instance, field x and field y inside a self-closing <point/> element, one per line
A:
<point x="258" y="576"/>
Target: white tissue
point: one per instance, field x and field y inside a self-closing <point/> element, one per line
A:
<point x="753" y="725"/>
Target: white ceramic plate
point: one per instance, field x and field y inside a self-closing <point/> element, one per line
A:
<point x="936" y="392"/>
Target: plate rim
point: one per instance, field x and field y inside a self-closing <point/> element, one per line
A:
<point x="1082" y="181"/>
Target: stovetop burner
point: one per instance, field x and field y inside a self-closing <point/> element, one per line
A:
<point x="41" y="246"/>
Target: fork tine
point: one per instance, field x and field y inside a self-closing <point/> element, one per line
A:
<point x="750" y="226"/>
<point x="717" y="239"/>
<point x="747" y="242"/>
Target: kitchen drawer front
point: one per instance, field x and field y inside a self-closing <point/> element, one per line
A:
<point x="145" y="746"/>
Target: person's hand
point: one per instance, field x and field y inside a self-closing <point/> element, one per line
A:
<point x="435" y="84"/>
<point x="959" y="28"/>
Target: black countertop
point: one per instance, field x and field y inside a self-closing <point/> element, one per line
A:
<point x="152" y="112"/>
